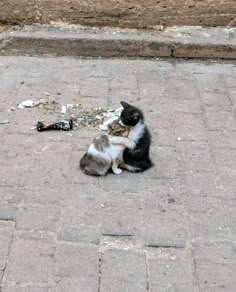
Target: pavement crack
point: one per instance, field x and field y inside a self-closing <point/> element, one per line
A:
<point x="147" y="274"/>
<point x="195" y="274"/>
<point x="172" y="51"/>
<point x="7" y="257"/>
<point x="117" y="235"/>
<point x="99" y="271"/>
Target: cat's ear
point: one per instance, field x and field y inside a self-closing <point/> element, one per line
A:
<point x="125" y="104"/>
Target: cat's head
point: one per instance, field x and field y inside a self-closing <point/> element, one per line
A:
<point x="130" y="115"/>
<point x="115" y="129"/>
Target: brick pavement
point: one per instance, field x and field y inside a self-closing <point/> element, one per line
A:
<point x="169" y="229"/>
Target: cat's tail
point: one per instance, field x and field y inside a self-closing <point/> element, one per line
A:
<point x="141" y="167"/>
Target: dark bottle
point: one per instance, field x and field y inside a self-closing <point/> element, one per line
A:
<point x="65" y="125"/>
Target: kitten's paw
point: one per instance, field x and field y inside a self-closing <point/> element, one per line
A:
<point x="117" y="171"/>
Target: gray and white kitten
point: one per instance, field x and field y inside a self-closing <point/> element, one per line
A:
<point x="102" y="154"/>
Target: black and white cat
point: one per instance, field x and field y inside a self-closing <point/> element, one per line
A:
<point x="136" y="155"/>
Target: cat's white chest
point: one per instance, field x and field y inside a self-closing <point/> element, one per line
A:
<point x="136" y="132"/>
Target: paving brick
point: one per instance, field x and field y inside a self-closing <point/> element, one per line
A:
<point x="163" y="136"/>
<point x="226" y="188"/>
<point x="38" y="217"/>
<point x="165" y="223"/>
<point x="123" y="81"/>
<point x="195" y="156"/>
<point x="35" y="269"/>
<point x="181" y="89"/>
<point x="131" y="182"/>
<point x="200" y="184"/>
<point x="220" y="99"/>
<point x="81" y="214"/>
<point x="189" y="127"/>
<point x="229" y="81"/>
<point x="51" y="171"/>
<point x="42" y="195"/>
<point x="94" y="102"/>
<point x="151" y="89"/>
<point x="121" y="214"/>
<point x="166" y="163"/>
<point x="19" y="175"/>
<point x="115" y="96"/>
<point x="210" y="219"/>
<point x="222" y="139"/>
<point x="166" y="268"/>
<point x="210" y="83"/>
<point x="185" y="106"/>
<point x="76" y="267"/>
<point x="6" y="231"/>
<point x="8" y="212"/>
<point x="225" y="159"/>
<point x="94" y="87"/>
<point x="10" y="195"/>
<point x="216" y="266"/>
<point x="165" y="191"/>
<point x="218" y="119"/>
<point x="123" y="271"/>
<point x="151" y="77"/>
<point x="179" y="72"/>
<point x="161" y="117"/>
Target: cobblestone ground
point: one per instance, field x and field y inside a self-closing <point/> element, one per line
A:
<point x="169" y="229"/>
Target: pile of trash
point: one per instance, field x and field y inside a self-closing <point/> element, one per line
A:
<point x="72" y="116"/>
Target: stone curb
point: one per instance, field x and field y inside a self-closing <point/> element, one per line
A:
<point x="183" y="42"/>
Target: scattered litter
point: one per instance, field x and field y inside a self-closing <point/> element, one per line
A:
<point x="88" y="117"/>
<point x="46" y="93"/>
<point x="41" y="102"/>
<point x="179" y="139"/>
<point x="45" y="148"/>
<point x="80" y="115"/>
<point x="4" y="122"/>
<point x="102" y="127"/>
<point x="12" y="109"/>
<point x="65" y="125"/>
<point x="63" y="109"/>
<point x="30" y="103"/>
<point x="26" y="103"/>
<point x="110" y="115"/>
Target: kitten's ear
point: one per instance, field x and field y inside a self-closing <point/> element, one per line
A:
<point x="125" y="104"/>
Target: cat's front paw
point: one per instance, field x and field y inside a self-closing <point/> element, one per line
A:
<point x="117" y="171"/>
